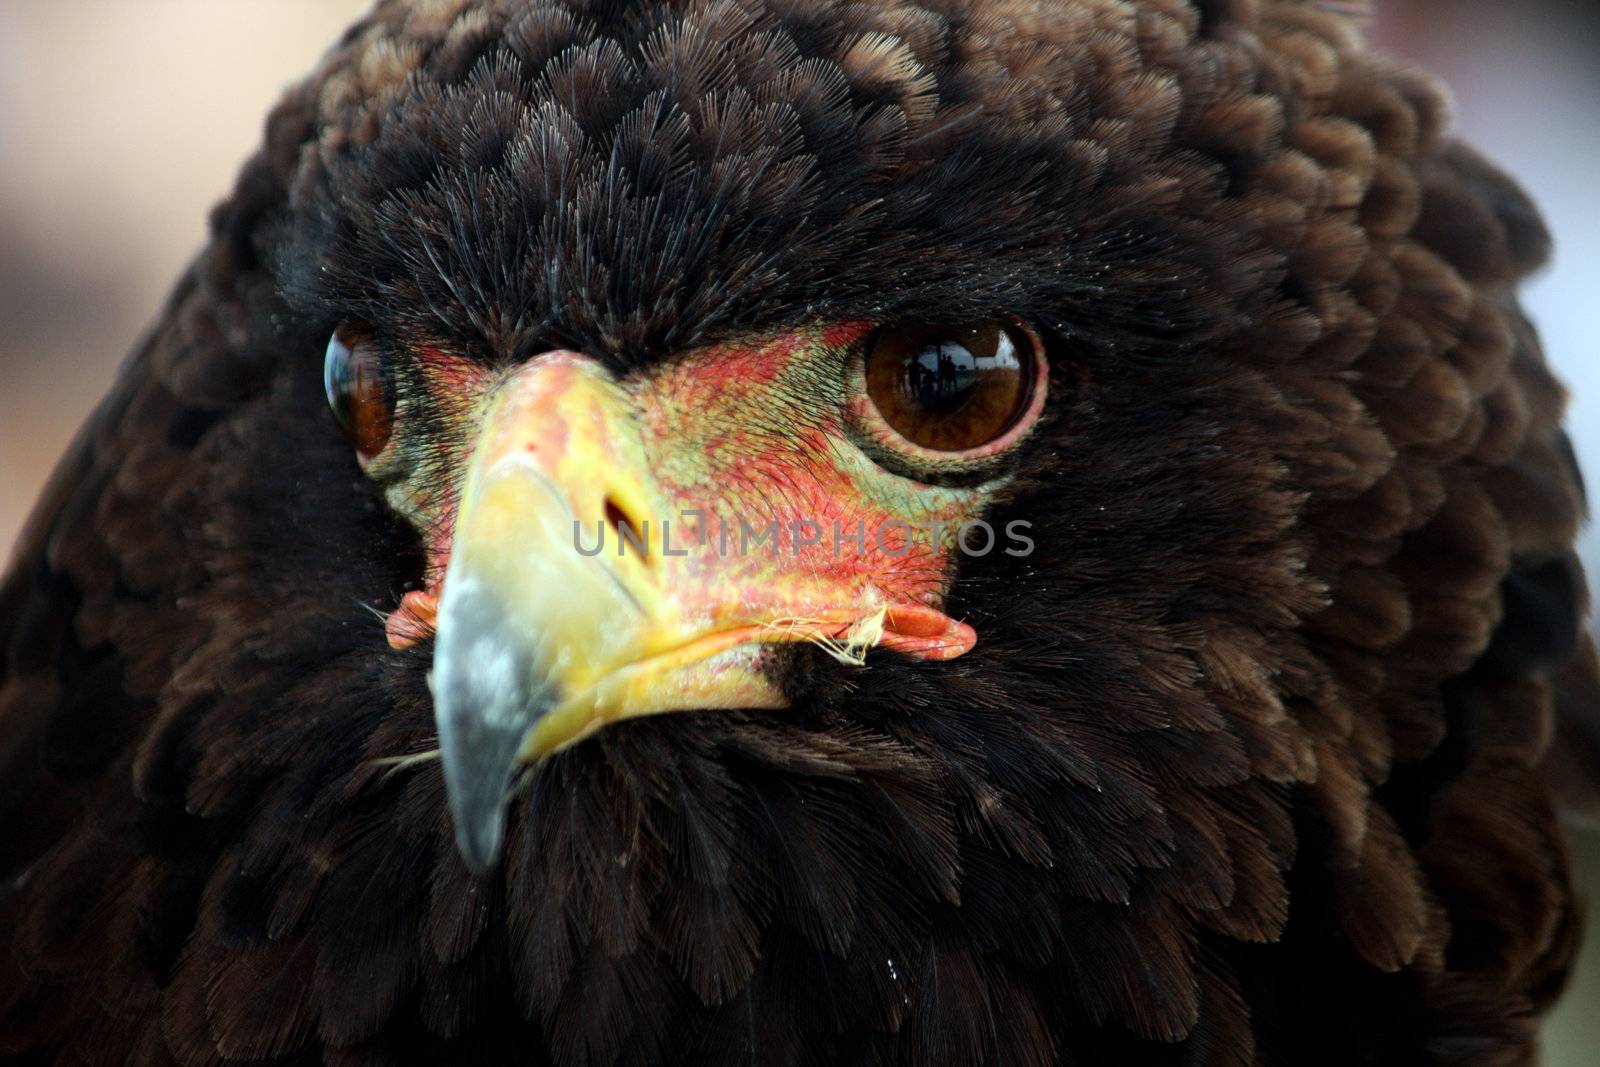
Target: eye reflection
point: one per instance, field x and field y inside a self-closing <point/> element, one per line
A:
<point x="941" y="376"/>
<point x="952" y="389"/>
<point x="352" y="376"/>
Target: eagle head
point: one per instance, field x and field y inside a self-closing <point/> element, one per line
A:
<point x="805" y="531"/>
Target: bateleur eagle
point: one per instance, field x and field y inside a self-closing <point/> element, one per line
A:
<point x="814" y="532"/>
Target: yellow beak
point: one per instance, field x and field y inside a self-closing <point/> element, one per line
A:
<point x="580" y="590"/>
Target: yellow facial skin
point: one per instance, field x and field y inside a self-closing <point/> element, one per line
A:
<point x="607" y="561"/>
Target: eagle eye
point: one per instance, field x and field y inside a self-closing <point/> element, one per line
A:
<point x="352" y="375"/>
<point x="954" y="389"/>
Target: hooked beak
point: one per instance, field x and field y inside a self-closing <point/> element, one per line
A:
<point x="541" y="639"/>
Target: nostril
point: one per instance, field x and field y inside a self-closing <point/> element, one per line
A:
<point x="630" y="534"/>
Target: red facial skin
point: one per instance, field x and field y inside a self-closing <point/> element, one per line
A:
<point x="717" y="446"/>
<point x="455" y="388"/>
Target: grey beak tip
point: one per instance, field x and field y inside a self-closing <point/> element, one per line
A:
<point x="479" y="844"/>
<point x="490" y="690"/>
<point x="478" y="780"/>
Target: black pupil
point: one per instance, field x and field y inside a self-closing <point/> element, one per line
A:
<point x="938" y="377"/>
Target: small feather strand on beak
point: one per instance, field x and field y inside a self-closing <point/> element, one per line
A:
<point x="863" y="634"/>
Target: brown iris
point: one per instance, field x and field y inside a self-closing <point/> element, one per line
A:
<point x="951" y="389"/>
<point x="352" y="374"/>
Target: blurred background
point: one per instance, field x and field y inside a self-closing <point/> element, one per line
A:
<point x="122" y="121"/>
